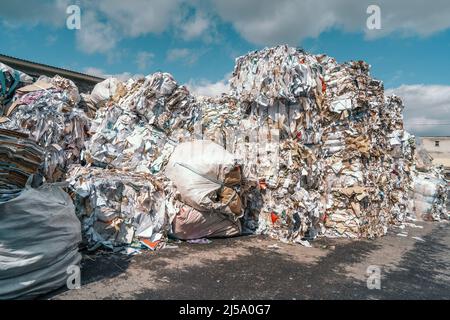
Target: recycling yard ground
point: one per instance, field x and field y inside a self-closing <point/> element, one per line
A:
<point x="413" y="267"/>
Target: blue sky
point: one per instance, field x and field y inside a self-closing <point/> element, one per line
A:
<point x="197" y="41"/>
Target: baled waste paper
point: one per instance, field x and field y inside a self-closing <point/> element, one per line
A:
<point x="159" y="100"/>
<point x="301" y="147"/>
<point x="20" y="158"/>
<point x="423" y="161"/>
<point x="132" y="131"/>
<point x="47" y="111"/>
<point x="347" y="159"/>
<point x="10" y="81"/>
<point x="116" y="207"/>
<point x="133" y="135"/>
<point x="429" y="196"/>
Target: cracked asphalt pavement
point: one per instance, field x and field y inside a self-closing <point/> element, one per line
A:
<point x="414" y="264"/>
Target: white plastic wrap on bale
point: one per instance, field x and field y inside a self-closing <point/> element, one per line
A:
<point x="426" y="185"/>
<point x="197" y="169"/>
<point x="104" y="90"/>
<point x="39" y="237"/>
<point x="422" y="208"/>
<point x="428" y="193"/>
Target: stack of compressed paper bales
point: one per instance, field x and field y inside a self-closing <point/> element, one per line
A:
<point x="342" y="143"/>
<point x="133" y="135"/>
<point x="321" y="150"/>
<point x="47" y="111"/>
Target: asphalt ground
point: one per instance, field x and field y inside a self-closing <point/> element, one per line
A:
<point x="415" y="265"/>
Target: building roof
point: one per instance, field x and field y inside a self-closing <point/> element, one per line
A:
<point x="39" y="68"/>
<point x="435" y="137"/>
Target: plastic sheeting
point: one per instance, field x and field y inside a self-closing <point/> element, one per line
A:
<point x="206" y="176"/>
<point x="105" y="90"/>
<point x="189" y="223"/>
<point x="40" y="234"/>
<point x="430" y="196"/>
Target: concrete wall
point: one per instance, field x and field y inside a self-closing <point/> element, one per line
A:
<point x="443" y="149"/>
<point x="441" y="153"/>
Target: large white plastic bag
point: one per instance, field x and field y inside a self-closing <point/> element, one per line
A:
<point x="104" y="90"/>
<point x="39" y="237"/>
<point x="189" y="223"/>
<point x="197" y="168"/>
<point x="426" y="185"/>
<point x="422" y="208"/>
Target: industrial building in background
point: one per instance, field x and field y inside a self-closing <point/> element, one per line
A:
<point x="84" y="82"/>
<point x="438" y="147"/>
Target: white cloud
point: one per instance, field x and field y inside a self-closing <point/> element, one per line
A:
<point x="93" y="71"/>
<point x="51" y="39"/>
<point x="129" y="19"/>
<point x="194" y="27"/>
<point x="268" y="22"/>
<point x="263" y="22"/>
<point x="94" y="35"/>
<point x="207" y="88"/>
<point x="103" y="23"/>
<point x="124" y="76"/>
<point x="413" y="17"/>
<point x="144" y="59"/>
<point x="183" y="54"/>
<point x="176" y="54"/>
<point x="427" y="108"/>
<point x="33" y="12"/>
<point x="139" y="17"/>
